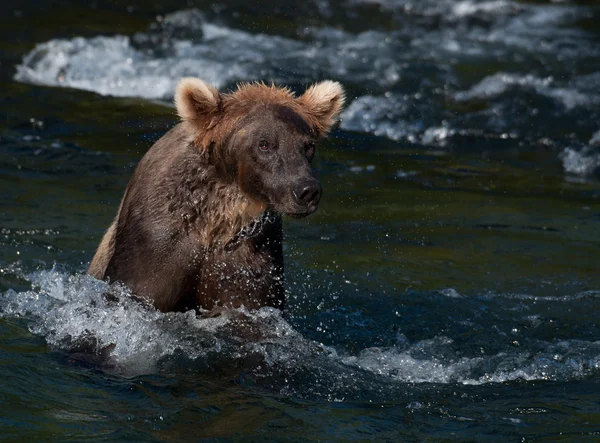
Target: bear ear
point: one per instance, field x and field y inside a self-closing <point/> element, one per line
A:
<point x="197" y="102"/>
<point x="323" y="101"/>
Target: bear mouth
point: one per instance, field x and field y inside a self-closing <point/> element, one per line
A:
<point x="292" y="208"/>
<point x="304" y="212"/>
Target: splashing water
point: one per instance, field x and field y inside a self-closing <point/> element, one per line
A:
<point x="74" y="315"/>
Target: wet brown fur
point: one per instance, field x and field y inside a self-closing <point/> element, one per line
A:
<point x="185" y="204"/>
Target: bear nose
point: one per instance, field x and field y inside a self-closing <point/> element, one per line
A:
<point x="307" y="193"/>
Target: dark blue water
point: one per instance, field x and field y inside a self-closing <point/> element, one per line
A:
<point x="447" y="289"/>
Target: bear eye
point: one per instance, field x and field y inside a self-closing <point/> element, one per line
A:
<point x="263" y="145"/>
<point x="309" y="151"/>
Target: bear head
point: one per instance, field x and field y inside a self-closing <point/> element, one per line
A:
<point x="262" y="138"/>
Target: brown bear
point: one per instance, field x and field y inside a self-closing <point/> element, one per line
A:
<point x="199" y="226"/>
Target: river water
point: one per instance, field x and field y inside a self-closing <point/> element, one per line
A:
<point x="447" y="289"/>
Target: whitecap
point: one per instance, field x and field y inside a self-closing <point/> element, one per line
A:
<point x="77" y="313"/>
<point x="398" y="117"/>
<point x="499" y="83"/>
<point x="405" y="74"/>
<point x="468" y="7"/>
<point x="149" y="64"/>
<point x="434" y="361"/>
<point x="447" y="9"/>
<point x="389" y="116"/>
<point x="583" y="162"/>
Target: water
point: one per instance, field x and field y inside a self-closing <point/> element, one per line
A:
<point x="447" y="288"/>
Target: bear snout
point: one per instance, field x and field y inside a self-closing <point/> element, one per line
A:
<point x="307" y="194"/>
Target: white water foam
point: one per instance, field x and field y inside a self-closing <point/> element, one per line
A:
<point x="451" y="9"/>
<point x="397" y="117"/>
<point x="75" y="312"/>
<point x="72" y="313"/>
<point x="499" y="83"/>
<point x="468" y="7"/>
<point x="502" y="26"/>
<point x="404" y="77"/>
<point x="583" y="161"/>
<point x="149" y="64"/>
<point x="561" y="361"/>
<point x="416" y="118"/>
<point x="386" y="116"/>
<point x="111" y="66"/>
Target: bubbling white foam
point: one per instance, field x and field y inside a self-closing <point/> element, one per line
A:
<point x="564" y="360"/>
<point x="77" y="313"/>
<point x="149" y="64"/>
<point x="80" y="313"/>
<point x="406" y="78"/>
<point x="501" y="82"/>
<point x="583" y="162"/>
